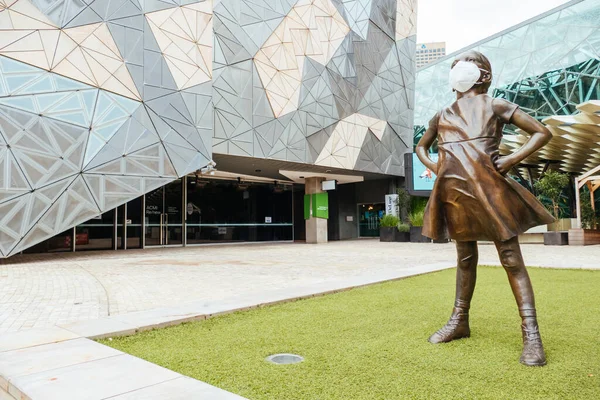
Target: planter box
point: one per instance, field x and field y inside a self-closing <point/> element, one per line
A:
<point x="402" y="236"/>
<point x="584" y="237"/>
<point x="556" y="238"/>
<point x="387" y="234"/>
<point x="416" y="236"/>
<point x="563" y="224"/>
<point x="393" y="235"/>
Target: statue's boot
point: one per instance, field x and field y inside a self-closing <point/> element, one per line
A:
<point x="457" y="327"/>
<point x="533" y="350"/>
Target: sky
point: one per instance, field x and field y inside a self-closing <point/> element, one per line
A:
<point x="462" y="22"/>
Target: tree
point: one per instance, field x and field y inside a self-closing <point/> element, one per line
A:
<point x="551" y="186"/>
<point x="403" y="203"/>
<point x="589" y="217"/>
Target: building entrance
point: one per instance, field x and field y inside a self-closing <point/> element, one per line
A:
<point x="164" y="217"/>
<point x="186" y="212"/>
<point x="368" y="219"/>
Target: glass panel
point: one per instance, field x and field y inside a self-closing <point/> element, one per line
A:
<point x="120" y="226"/>
<point x="369" y="215"/>
<point x="164" y="225"/>
<point x="230" y="211"/>
<point x="154" y="215"/>
<point x="58" y="243"/>
<point x="96" y="233"/>
<point x="172" y="219"/>
<point x="134" y="224"/>
<point x="553" y="42"/>
<point x="238" y="233"/>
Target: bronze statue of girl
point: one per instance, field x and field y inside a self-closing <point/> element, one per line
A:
<point x="472" y="199"/>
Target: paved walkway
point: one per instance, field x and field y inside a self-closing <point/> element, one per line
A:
<point x="169" y="286"/>
<point x="56" y="289"/>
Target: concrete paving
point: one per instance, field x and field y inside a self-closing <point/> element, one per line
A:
<point x="57" y="362"/>
<point x="57" y="289"/>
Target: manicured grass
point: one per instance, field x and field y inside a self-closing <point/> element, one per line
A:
<point x="371" y="343"/>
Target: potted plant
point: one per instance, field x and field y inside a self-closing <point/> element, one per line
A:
<point x="588" y="233"/>
<point x="388" y="225"/>
<point x="403" y="232"/>
<point x="550" y="188"/>
<point x="416" y="222"/>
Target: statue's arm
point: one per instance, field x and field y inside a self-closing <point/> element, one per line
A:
<point x="540" y="136"/>
<point x="425" y="143"/>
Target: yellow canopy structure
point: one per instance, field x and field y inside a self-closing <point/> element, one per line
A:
<point x="574" y="149"/>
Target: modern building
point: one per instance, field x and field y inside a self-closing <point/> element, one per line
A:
<point x="129" y="124"/>
<point x="429" y="52"/>
<point x="548" y="65"/>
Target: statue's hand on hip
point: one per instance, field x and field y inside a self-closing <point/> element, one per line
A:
<point x="503" y="165"/>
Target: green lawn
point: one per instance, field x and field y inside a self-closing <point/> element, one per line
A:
<point x="371" y="343"/>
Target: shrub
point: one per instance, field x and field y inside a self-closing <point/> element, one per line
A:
<point x="402" y="227"/>
<point x="389" y="221"/>
<point x="416" y="217"/>
<point x="418" y="204"/>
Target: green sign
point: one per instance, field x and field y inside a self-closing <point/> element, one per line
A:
<point x="320" y="205"/>
<point x="316" y="205"/>
<point x="307" y="206"/>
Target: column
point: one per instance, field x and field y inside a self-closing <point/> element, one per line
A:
<point x="316" y="227"/>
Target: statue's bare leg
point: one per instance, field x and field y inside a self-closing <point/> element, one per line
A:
<point x="457" y="326"/>
<point x="512" y="261"/>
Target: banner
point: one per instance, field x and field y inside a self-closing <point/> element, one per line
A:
<point x="391" y="207"/>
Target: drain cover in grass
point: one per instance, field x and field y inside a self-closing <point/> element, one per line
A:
<point x="285" y="359"/>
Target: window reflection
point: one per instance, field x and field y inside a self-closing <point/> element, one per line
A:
<point x="230" y="211"/>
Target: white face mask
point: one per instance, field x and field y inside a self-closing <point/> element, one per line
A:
<point x="464" y="75"/>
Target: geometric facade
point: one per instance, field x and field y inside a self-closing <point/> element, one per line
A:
<point x="547" y="65"/>
<point x="102" y="101"/>
<point x="289" y="75"/>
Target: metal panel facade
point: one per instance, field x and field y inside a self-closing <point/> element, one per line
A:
<point x="102" y="101"/>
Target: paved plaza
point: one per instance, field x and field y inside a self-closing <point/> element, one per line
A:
<point x="56" y="289"/>
<point x="52" y="305"/>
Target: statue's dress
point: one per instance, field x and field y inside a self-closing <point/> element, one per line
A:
<point x="471" y="200"/>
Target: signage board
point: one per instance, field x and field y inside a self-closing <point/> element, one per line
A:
<point x="307" y="206"/>
<point x="420" y="179"/>
<point x="316" y="205"/>
<point x="82" y="239"/>
<point x="320" y="205"/>
<point x="328" y="185"/>
<point x="173" y="210"/>
<point x="423" y="177"/>
<point x="152" y="210"/>
<point x="268" y="220"/>
<point x="391" y="204"/>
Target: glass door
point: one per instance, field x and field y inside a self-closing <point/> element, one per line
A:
<point x="164" y="225"/>
<point x="172" y="220"/>
<point x="369" y="216"/>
